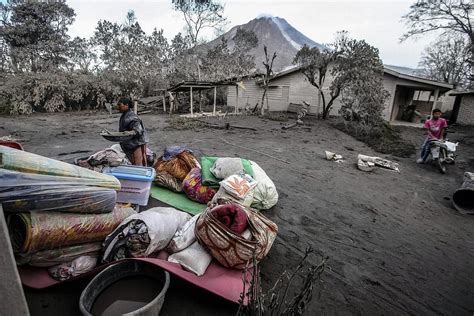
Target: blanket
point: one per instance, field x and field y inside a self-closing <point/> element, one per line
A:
<point x="231" y="216"/>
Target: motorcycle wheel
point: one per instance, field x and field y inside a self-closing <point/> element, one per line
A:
<point x="440" y="162"/>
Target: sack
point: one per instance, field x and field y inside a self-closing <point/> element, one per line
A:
<point x="157" y="226"/>
<point x="194" y="258"/>
<point x="184" y="237"/>
<point x="233" y="250"/>
<point x="225" y="167"/>
<point x="223" y="197"/>
<point x="179" y="166"/>
<point x="164" y="179"/>
<point x="239" y="186"/>
<point x="194" y="189"/>
<point x="265" y="194"/>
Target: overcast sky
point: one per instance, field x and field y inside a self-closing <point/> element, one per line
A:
<point x="377" y="21"/>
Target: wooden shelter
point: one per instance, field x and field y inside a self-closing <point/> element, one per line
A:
<point x="192" y="86"/>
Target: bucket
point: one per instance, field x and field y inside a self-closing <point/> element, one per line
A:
<point x="463" y="198"/>
<point x="129" y="287"/>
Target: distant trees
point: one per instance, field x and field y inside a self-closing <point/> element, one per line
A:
<point x="354" y="67"/>
<point x="447" y="60"/>
<point x="36" y="33"/>
<point x="199" y="15"/>
<point x="448" y="16"/>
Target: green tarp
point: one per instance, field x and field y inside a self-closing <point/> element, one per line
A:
<point x="209" y="179"/>
<point x="177" y="200"/>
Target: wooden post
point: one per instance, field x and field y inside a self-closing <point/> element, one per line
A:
<point x="236" y="99"/>
<point x="191" y="99"/>
<point x="135" y="107"/>
<point x="436" y="95"/>
<point x="164" y="101"/>
<point x="200" y="100"/>
<point x="215" y="98"/>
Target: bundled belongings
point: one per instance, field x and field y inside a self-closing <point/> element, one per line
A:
<point x="194" y="189"/>
<point x="76" y="267"/>
<point x="217" y="228"/>
<point x="52" y="257"/>
<point x="34" y="231"/>
<point x="176" y="161"/>
<point x="143" y="234"/>
<point x="22" y="192"/>
<point x="265" y="194"/>
<point x="109" y="157"/>
<point x="186" y="250"/>
<point x="17" y="160"/>
<point x="239" y="186"/>
<point x="214" y="168"/>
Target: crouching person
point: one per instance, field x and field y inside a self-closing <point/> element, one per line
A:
<point x="134" y="148"/>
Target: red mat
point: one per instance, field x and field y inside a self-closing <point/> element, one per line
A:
<point x="226" y="283"/>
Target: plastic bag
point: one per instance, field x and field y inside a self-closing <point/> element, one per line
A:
<point x="34" y="231"/>
<point x="76" y="199"/>
<point x="194" y="258"/>
<point x="239" y="186"/>
<point x="194" y="189"/>
<point x="74" y="268"/>
<point x="265" y="194"/>
<point x="17" y="160"/>
<point x="225" y="167"/>
<point x="49" y="258"/>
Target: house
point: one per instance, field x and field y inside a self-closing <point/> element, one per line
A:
<point x="289" y="88"/>
<point x="463" y="110"/>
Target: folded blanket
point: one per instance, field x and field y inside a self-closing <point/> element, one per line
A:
<point x="231" y="216"/>
<point x="179" y="166"/>
<point x="142" y="234"/>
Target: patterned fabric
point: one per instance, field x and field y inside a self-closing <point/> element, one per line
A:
<point x="179" y="166"/>
<point x="231" y="249"/>
<point x="194" y="189"/>
<point x="164" y="179"/>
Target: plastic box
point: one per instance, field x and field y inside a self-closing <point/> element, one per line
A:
<point x="136" y="183"/>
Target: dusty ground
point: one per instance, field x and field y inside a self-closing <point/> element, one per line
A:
<point x="395" y="244"/>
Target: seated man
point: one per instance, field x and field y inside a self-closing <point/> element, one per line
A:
<point x="135" y="148"/>
<point x="436" y="126"/>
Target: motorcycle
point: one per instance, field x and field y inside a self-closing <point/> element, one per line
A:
<point x="443" y="152"/>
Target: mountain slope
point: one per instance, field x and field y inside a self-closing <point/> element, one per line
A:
<point x="277" y="34"/>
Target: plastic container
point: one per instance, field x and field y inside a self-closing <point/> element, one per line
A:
<point x="135" y="181"/>
<point x="129" y="287"/>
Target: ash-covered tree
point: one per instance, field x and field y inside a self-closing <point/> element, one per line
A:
<point x="81" y="55"/>
<point x="200" y="15"/>
<point x="244" y="41"/>
<point x="447" y="60"/>
<point x="349" y="63"/>
<point x="129" y="56"/>
<point x="447" y="16"/>
<point x="183" y="60"/>
<point x="36" y="33"/>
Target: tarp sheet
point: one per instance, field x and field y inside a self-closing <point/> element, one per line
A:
<point x="177" y="200"/>
<point x="226" y="283"/>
